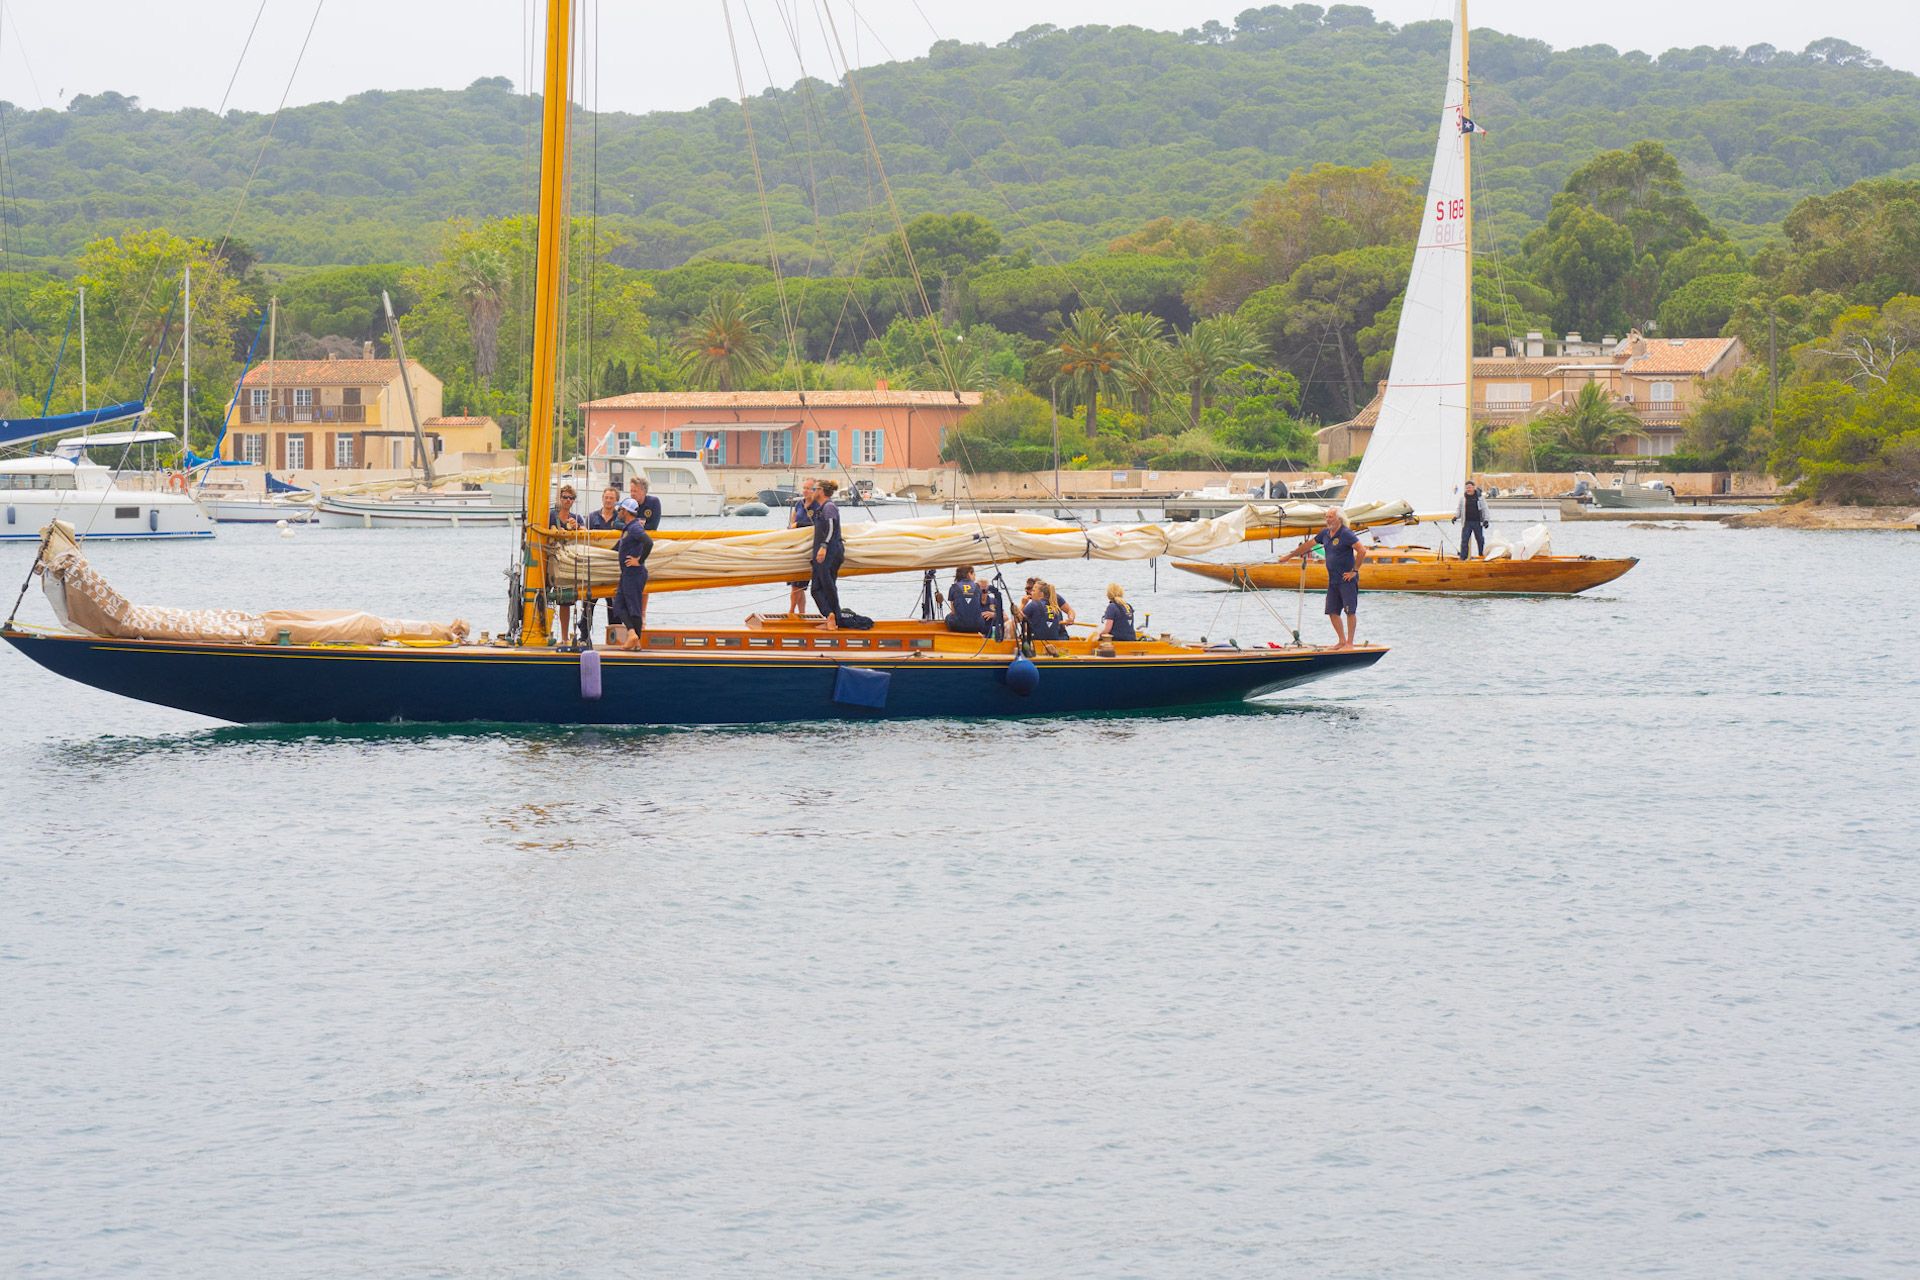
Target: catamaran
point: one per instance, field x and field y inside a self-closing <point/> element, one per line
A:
<point x="1422" y="447"/>
<point x="348" y="666"/>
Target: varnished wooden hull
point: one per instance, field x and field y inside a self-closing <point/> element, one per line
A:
<point x="1420" y="569"/>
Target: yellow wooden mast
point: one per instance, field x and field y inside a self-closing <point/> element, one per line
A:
<point x="549" y="299"/>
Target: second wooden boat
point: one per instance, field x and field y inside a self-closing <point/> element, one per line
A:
<point x="1421" y="450"/>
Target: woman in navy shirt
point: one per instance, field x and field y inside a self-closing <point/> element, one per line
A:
<point x="630" y="603"/>
<point x="1117" y="624"/>
<point x="1042" y="613"/>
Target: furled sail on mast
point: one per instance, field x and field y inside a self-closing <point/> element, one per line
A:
<point x="1418" y="452"/>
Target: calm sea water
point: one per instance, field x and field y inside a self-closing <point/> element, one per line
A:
<point x="1576" y="938"/>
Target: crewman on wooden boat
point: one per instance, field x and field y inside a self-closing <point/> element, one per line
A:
<point x="635" y="545"/>
<point x="966" y="611"/>
<point x="802" y="518"/>
<point x="1044" y="618"/>
<point x="829" y="550"/>
<point x="1344" y="556"/>
<point x="1471" y="515"/>
<point x="647" y="505"/>
<point x="609" y="516"/>
<point x="561" y="516"/>
<point x="1117" y="622"/>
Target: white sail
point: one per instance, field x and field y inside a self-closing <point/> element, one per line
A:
<point x="1418" y="453"/>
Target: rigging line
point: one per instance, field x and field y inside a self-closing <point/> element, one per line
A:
<point x="794" y="353"/>
<point x="813" y="187"/>
<point x="893" y="203"/>
<point x="248" y="44"/>
<point x="246" y="189"/>
<point x="20" y="43"/>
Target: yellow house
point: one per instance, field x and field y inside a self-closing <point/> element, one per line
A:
<point x="462" y="435"/>
<point x="1658" y="380"/>
<point x="302" y="415"/>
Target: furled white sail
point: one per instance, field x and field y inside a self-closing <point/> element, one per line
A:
<point x="1418" y="453"/>
<point x="937" y="542"/>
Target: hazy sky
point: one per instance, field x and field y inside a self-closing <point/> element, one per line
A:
<point x="177" y="53"/>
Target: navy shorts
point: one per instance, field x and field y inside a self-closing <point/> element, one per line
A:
<point x="1342" y="596"/>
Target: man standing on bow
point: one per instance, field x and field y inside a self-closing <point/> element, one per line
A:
<point x="1344" y="555"/>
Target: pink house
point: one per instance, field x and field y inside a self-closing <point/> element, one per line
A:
<point x="780" y="430"/>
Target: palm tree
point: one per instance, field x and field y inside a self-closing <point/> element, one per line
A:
<point x="1208" y="350"/>
<point x="1593" y="424"/>
<point x="1087" y="356"/>
<point x="482" y="280"/>
<point x="724" y="345"/>
<point x="1145" y="370"/>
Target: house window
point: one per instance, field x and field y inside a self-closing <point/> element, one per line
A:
<point x="713" y="449"/>
<point x="625" y="440"/>
<point x="868" y="448"/>
<point x="296" y="452"/>
<point x="777" y="449"/>
<point x="1662" y="393"/>
<point x="303" y="398"/>
<point x="821" y="449"/>
<point x="343" y="453"/>
<point x="350" y="396"/>
<point x="253" y="448"/>
<point x="258" y="400"/>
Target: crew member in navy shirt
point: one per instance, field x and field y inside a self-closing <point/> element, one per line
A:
<point x="828" y="553"/>
<point x="802" y="518"/>
<point x="1344" y="555"/>
<point x="646" y="505"/>
<point x="1117" y="623"/>
<point x="561" y="516"/>
<point x="966" y="612"/>
<point x="635" y="545"/>
<point x="1042" y="613"/>
<point x="609" y="516"/>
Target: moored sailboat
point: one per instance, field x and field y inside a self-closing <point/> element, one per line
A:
<point x="1422" y="446"/>
<point x="298" y="667"/>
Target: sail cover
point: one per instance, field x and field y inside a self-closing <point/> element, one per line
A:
<point x="936" y="542"/>
<point x="1418" y="452"/>
<point x="21" y="430"/>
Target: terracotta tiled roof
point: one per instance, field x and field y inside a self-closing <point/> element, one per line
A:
<point x="785" y="400"/>
<point x="327" y="373"/>
<point x="1679" y="355"/>
<point x="456" y="422"/>
<point x="1515" y="366"/>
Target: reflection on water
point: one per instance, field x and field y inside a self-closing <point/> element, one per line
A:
<point x="1572" y="938"/>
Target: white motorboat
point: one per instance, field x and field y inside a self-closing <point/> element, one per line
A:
<point x="98" y="501"/>
<point x="677" y="477"/>
<point x="1627" y="491"/>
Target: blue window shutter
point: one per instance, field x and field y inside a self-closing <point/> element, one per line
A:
<point x="833" y="448"/>
<point x="879" y="447"/>
<point x="654" y="439"/>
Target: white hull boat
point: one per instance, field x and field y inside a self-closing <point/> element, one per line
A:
<point x="260" y="510"/>
<point x="415" y="511"/>
<point x="68" y="485"/>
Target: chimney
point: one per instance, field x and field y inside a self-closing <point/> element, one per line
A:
<point x="332" y="355"/>
<point x="1499" y="353"/>
<point x="1571" y="341"/>
<point x="1608" y="343"/>
<point x="880" y="384"/>
<point x="1536" y="344"/>
<point x="366" y="350"/>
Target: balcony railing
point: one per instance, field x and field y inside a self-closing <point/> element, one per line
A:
<point x="1668" y="415"/>
<point x="307" y="413"/>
